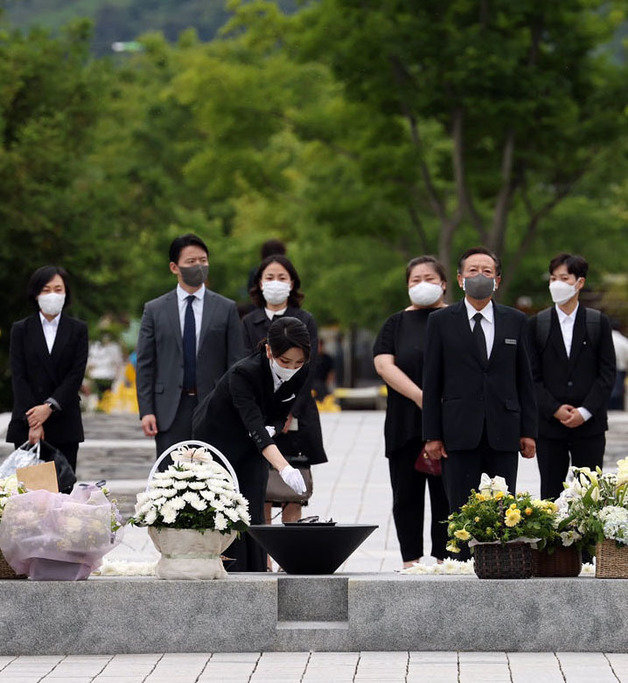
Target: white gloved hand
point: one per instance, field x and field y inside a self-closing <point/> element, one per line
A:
<point x="293" y="478"/>
<point x="271" y="431"/>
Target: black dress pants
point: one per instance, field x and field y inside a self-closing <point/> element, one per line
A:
<point x="462" y="471"/>
<point x="553" y="459"/>
<point x="252" y="473"/>
<point x="408" y="487"/>
<point x="179" y="430"/>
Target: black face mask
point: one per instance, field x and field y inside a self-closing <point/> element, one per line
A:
<point x="194" y="276"/>
<point x="479" y="287"/>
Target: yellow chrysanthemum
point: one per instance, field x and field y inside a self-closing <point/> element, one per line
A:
<point x="498" y="495"/>
<point x="462" y="534"/>
<point x="480" y="497"/>
<point x="528" y="511"/>
<point x="513" y="517"/>
<point x="452" y="547"/>
<point x="513" y="506"/>
<point x="477" y="519"/>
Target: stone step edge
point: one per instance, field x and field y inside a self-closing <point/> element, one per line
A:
<point x="313" y="625"/>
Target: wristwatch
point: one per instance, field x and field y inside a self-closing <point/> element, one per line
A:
<point x="53" y="407"/>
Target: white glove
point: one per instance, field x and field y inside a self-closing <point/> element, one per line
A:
<point x="293" y="478"/>
<point x="271" y="431"/>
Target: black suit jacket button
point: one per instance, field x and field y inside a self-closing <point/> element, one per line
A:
<point x="570" y="384"/>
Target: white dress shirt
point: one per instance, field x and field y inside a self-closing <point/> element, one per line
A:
<point x="197" y="307"/>
<point x="566" y="326"/>
<point x="566" y="323"/>
<point x="50" y="329"/>
<point x="270" y="314"/>
<point x="488" y="323"/>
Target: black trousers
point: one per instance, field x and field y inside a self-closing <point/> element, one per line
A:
<point x="252" y="473"/>
<point x="408" y="488"/>
<point x="553" y="458"/>
<point x="462" y="471"/>
<point x="180" y="429"/>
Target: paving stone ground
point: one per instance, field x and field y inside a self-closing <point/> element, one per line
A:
<point x="353" y="487"/>
<point x="322" y="667"/>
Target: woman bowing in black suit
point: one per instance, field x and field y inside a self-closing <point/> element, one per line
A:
<point x="275" y="293"/>
<point x="48" y="356"/>
<point x="240" y="417"/>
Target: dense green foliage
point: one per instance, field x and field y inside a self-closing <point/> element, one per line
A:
<point x="361" y="136"/>
<point x="124" y="20"/>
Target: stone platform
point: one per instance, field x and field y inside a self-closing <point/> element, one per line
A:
<point x="345" y="612"/>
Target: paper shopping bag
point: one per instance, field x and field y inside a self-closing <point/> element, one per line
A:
<point x="38" y="477"/>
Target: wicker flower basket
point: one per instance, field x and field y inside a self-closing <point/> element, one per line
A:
<point x="561" y="562"/>
<point x="497" y="561"/>
<point x="611" y="561"/>
<point x="6" y="571"/>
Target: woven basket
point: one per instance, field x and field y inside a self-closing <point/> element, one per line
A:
<point x="6" y="571"/>
<point x="611" y="562"/>
<point x="497" y="561"/>
<point x="562" y="562"/>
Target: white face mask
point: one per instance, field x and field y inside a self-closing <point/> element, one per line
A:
<point x="561" y="291"/>
<point x="283" y="373"/>
<point x="425" y="293"/>
<point x="275" y="291"/>
<point x="51" y="304"/>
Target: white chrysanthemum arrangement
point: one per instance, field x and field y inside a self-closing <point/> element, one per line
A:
<point x="195" y="492"/>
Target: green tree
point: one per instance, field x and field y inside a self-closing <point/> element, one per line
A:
<point x="523" y="92"/>
<point x="55" y="204"/>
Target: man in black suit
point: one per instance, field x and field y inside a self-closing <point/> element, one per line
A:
<point x="188" y="339"/>
<point x="479" y="407"/>
<point x="573" y="364"/>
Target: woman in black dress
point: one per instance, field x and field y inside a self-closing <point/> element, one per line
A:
<point x="48" y="357"/>
<point x="275" y="293"/>
<point x="398" y="357"/>
<point x="241" y="416"/>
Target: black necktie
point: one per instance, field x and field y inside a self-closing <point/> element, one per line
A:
<point x="480" y="339"/>
<point x="189" y="347"/>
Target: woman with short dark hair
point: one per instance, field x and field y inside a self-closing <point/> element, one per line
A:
<point x="275" y="293"/>
<point x="245" y="411"/>
<point x="48" y="356"/>
<point x="398" y="358"/>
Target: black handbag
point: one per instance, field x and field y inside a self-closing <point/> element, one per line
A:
<point x="65" y="474"/>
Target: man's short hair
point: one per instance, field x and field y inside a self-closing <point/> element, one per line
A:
<point x="480" y="250"/>
<point x="180" y="243"/>
<point x="576" y="265"/>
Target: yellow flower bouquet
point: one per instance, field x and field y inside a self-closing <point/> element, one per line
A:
<point x="493" y="515"/>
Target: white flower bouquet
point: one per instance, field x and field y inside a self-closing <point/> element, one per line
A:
<point x="9" y="487"/>
<point x="195" y="492"/>
<point x="595" y="505"/>
<point x="55" y="536"/>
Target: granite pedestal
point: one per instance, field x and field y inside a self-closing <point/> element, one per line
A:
<point x="350" y="612"/>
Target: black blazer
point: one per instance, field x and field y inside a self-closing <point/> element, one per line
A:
<point x="38" y="375"/>
<point x="256" y="324"/>
<point x="584" y="379"/>
<point x="461" y="393"/>
<point x="234" y="416"/>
